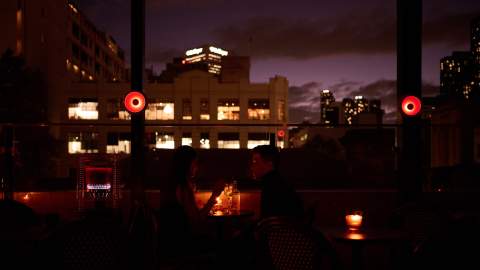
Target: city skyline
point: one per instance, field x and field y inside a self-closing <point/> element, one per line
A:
<point x="289" y="39"/>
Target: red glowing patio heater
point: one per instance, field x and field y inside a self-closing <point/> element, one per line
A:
<point x="98" y="182"/>
<point x="411" y="106"/>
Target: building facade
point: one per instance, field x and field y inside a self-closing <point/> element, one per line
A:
<point x="196" y="110"/>
<point x="460" y="72"/>
<point x="455" y="134"/>
<point x="327" y="112"/>
<point x="456" y="75"/>
<point x="475" y="49"/>
<point x="85" y="71"/>
<point x="361" y="111"/>
<point x="57" y="39"/>
<point x="208" y="54"/>
<point x="53" y="34"/>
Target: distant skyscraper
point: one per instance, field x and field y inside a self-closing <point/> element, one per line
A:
<point x="326" y="101"/>
<point x="233" y="69"/>
<point x="475" y="48"/>
<point x="460" y="72"/>
<point x="348" y="110"/>
<point x="332" y="115"/>
<point x="210" y="55"/>
<point x="475" y="39"/>
<point x="362" y="111"/>
<point x="456" y="72"/>
<point x="361" y="104"/>
<point x="375" y="105"/>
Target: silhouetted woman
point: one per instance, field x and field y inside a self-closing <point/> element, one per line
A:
<point x="182" y="223"/>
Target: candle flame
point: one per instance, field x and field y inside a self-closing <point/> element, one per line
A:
<point x="354" y="221"/>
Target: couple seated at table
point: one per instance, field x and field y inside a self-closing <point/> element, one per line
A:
<point x="183" y="222"/>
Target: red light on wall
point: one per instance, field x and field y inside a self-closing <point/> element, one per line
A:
<point x="281" y="133"/>
<point x="134" y="102"/>
<point x="98" y="178"/>
<point x="411" y="105"/>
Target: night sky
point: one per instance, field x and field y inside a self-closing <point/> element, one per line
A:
<point x="347" y="46"/>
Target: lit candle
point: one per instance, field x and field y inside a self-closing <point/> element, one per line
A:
<point x="354" y="221"/>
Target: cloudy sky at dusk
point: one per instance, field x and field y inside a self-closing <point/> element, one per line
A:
<point x="346" y="46"/>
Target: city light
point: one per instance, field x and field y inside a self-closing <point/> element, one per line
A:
<point x="218" y="51"/>
<point x="193" y="51"/>
<point x="73" y="8"/>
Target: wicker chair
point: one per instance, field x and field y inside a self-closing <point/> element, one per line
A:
<point x="92" y="243"/>
<point x="285" y="244"/>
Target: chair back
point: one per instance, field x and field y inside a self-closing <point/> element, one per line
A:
<point x="286" y="244"/>
<point x="143" y="235"/>
<point x="91" y="243"/>
<point x="19" y="232"/>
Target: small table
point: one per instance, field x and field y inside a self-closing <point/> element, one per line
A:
<point x="358" y="239"/>
<point x="221" y="220"/>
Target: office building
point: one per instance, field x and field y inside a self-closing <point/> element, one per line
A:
<point x="460" y="72"/>
<point x="327" y="113"/>
<point x="362" y="111"/>
<point x="208" y="54"/>
<point x="456" y="73"/>
<point x="232" y="69"/>
<point x="475" y="39"/>
<point x="196" y="99"/>
<point x="475" y="49"/>
<point x="52" y="34"/>
<point x="210" y="107"/>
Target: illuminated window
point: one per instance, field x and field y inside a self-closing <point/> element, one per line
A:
<point x="187" y="139"/>
<point x="204" y="109"/>
<point x="228" y="140"/>
<point x="281" y="110"/>
<point x="187" y="109"/>
<point x="255" y="139"/>
<point x="118" y="143"/>
<point x="161" y="140"/>
<point x="83" y="108"/>
<point x="258" y="109"/>
<point x="228" y="109"/>
<point x="82" y="142"/>
<point x="159" y="111"/>
<point x="116" y="110"/>
<point x="280" y="144"/>
<point x="204" y="140"/>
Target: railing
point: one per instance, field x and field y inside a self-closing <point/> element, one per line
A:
<point x="46" y="156"/>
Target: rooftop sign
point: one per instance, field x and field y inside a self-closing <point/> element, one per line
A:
<point x="194" y="51"/>
<point x="218" y="51"/>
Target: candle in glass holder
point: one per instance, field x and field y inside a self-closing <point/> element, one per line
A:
<point x="217" y="207"/>
<point x="354" y="220"/>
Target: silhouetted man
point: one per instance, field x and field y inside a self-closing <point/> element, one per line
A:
<point x="278" y="198"/>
